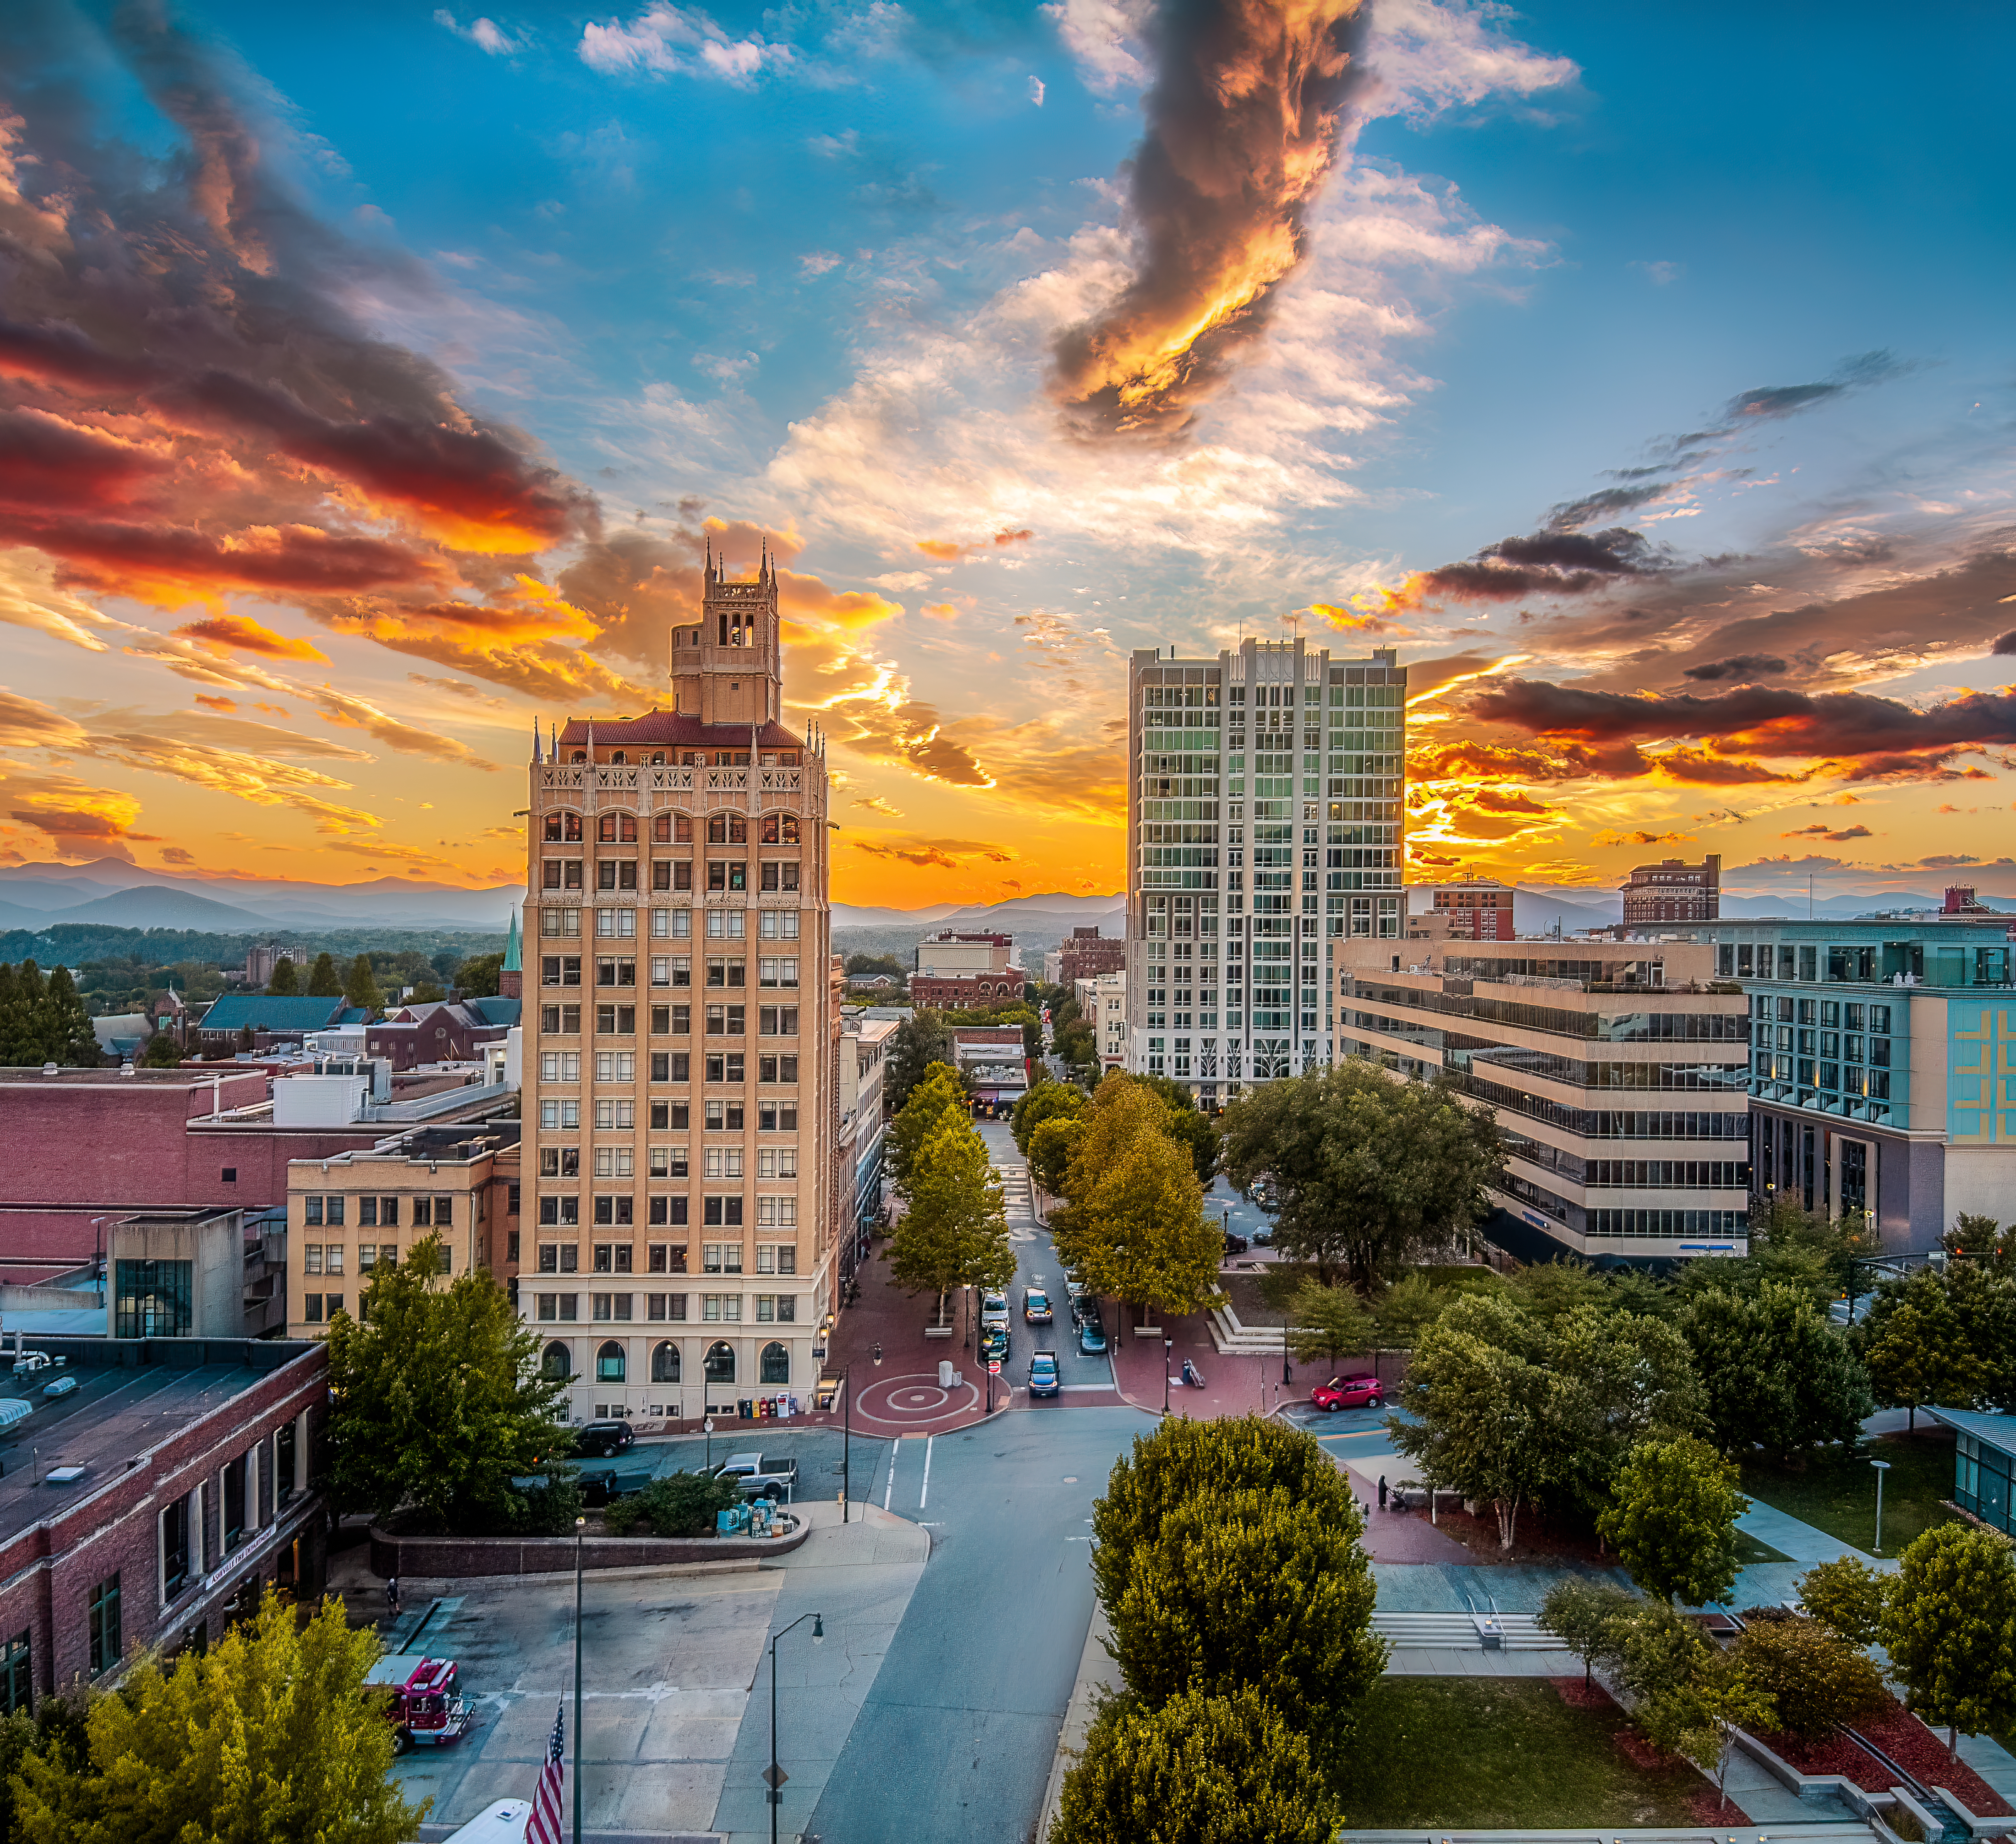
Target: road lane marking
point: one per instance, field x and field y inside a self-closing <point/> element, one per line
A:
<point x="889" y="1490"/>
<point x="923" y="1497"/>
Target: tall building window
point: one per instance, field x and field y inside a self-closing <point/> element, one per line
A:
<point x="17" y="1676"/>
<point x="102" y="1610"/>
<point x="152" y="1300"/>
<point x="174" y="1523"/>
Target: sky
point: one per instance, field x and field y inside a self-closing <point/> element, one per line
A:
<point x="373" y="380"/>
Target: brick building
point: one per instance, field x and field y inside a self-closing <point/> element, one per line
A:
<point x="1673" y="890"/>
<point x="1088" y="954"/>
<point x="960" y="992"/>
<point x="439" y="1030"/>
<point x="172" y="1485"/>
<point x="1478" y="909"/>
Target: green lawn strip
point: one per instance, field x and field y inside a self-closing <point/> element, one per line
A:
<point x="1748" y="1550"/>
<point x="1835" y="1490"/>
<point x="1505" y="1752"/>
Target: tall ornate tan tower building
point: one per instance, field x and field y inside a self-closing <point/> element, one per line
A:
<point x="681" y="1069"/>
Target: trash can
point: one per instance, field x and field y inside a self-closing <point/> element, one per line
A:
<point x="745" y="1408"/>
<point x="945" y="1372"/>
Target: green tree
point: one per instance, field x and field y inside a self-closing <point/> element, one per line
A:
<point x="1200" y="1770"/>
<point x="1815" y="1679"/>
<point x="1328" y="1323"/>
<point x="285" y="981"/>
<point x="162" y="1051"/>
<point x="479" y="977"/>
<point x="1195" y="1131"/>
<point x="1981" y="1241"/>
<point x="1547" y="1289"/>
<point x="1626" y="1379"/>
<point x="1633" y="1291"/>
<point x="1673" y="1522"/>
<point x="1047" y="1101"/>
<point x="67" y="1037"/>
<point x="1411" y="1303"/>
<point x="1369" y="1171"/>
<point x="1052" y="1148"/>
<point x="1138" y="1232"/>
<point x="1697" y="1718"/>
<point x="1916" y="1349"/>
<point x="1982" y="1298"/>
<point x="360" y="986"/>
<point x="270" y="1733"/>
<point x="1487" y="1416"/>
<point x="1776" y="1373"/>
<point x="1846" y="1596"/>
<point x="674" y="1504"/>
<point x="1184" y="1460"/>
<point x="1949" y="1626"/>
<point x="952" y="1232"/>
<point x="1249" y="1587"/>
<point x="923" y="1039"/>
<point x="940" y="1097"/>
<point x="439" y="1399"/>
<point x="1659" y="1651"/>
<point x="324" y="980"/>
<point x="1587" y="1617"/>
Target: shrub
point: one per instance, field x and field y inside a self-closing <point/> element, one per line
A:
<point x="1814" y="1677"/>
<point x="679" y="1505"/>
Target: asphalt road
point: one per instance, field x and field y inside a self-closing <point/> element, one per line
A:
<point x="956" y="1738"/>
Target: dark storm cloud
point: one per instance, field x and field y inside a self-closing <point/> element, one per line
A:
<point x="1743" y="665"/>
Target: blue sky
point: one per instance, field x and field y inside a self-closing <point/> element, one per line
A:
<point x="805" y="270"/>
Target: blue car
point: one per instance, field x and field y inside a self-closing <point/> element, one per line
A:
<point x="1091" y="1336"/>
<point x="1043" y="1373"/>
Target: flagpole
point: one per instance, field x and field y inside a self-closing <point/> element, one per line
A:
<point x="579" y="1523"/>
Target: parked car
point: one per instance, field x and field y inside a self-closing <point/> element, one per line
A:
<point x="1092" y="1334"/>
<point x="1036" y="1306"/>
<point x="1084" y="1307"/>
<point x="598" y="1440"/>
<point x="1263" y="1238"/>
<point x="762" y="1476"/>
<point x="994" y="1343"/>
<point x="1235" y="1244"/>
<point x="993" y="1309"/>
<point x="1361" y="1390"/>
<point x="1043" y="1373"/>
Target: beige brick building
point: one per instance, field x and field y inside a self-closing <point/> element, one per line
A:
<point x="681" y="1040"/>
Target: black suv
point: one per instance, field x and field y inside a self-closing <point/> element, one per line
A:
<point x="600" y="1439"/>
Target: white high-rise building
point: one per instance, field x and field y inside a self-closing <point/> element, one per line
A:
<point x="1265" y="808"/>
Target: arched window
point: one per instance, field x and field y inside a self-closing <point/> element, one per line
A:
<point x="721" y="1363"/>
<point x="605" y="829"/>
<point x="609" y="1363"/>
<point x="776" y="1364"/>
<point x="619" y="756"/>
<point x="556" y="1362"/>
<point x="665" y="1362"/>
<point x="573" y="828"/>
<point x="657" y="759"/>
<point x="580" y="755"/>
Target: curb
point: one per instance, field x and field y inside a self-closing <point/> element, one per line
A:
<point x="1096" y="1671"/>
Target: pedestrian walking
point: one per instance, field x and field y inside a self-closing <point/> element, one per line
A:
<point x="392" y="1592"/>
<point x="1382" y="1492"/>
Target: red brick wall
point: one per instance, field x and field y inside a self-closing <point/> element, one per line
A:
<point x="982" y="992"/>
<point x="50" y="1568"/>
<point x="1084" y="959"/>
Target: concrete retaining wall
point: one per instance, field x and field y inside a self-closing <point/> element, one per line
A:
<point x="442" y="1557"/>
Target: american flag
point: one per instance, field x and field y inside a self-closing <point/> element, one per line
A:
<point x="544" y="1825"/>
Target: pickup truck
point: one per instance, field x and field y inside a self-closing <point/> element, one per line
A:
<point x="762" y="1475"/>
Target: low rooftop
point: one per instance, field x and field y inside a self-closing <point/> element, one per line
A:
<point x="132" y="1394"/>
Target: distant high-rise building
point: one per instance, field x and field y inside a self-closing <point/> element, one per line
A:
<point x="1674" y="891"/>
<point x="1478" y="909"/>
<point x="682" y="1040"/>
<point x="1265" y="808"/>
<point x="1087" y="953"/>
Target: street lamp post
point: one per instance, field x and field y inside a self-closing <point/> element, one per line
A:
<point x="580" y="1524"/>
<point x="1882" y="1467"/>
<point x="776" y="1777"/>
<point x="1168" y="1344"/>
<point x="708" y="1426"/>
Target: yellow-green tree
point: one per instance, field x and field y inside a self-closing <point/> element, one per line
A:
<point x="953" y="1234"/>
<point x="1138" y="1231"/>
<point x="1052" y="1147"/>
<point x="939" y="1097"/>
<point x="268" y="1738"/>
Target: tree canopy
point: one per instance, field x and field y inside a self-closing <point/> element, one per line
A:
<point x="1949" y="1626"/>
<point x="324" y="980"/>
<point x="479" y="977"/>
<point x="285" y="981"/>
<point x="439" y="1399"/>
<point x="922" y="1039"/>
<point x="43" y="1021"/>
<point x="1776" y="1373"/>
<point x="1672" y="1519"/>
<point x="938" y="1098"/>
<point x="952" y="1232"/>
<point x="1369" y="1171"/>
<point x="360" y="985"/>
<point x="269" y="1734"/>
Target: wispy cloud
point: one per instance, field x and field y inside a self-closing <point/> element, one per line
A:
<point x="668" y="41"/>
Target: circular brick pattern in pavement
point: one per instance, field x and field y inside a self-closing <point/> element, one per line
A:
<point x="903" y="1402"/>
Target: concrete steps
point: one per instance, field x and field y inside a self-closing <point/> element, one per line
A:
<point x="1465" y="1631"/>
<point x="1229" y="1333"/>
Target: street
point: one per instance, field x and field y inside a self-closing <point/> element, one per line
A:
<point x="954" y="1740"/>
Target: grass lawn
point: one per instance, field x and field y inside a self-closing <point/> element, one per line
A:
<point x="1500" y="1752"/>
<point x="1835" y="1490"/>
<point x="1748" y="1550"/>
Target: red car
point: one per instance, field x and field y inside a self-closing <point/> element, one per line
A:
<point x="1362" y="1391"/>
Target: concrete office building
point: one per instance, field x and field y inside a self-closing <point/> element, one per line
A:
<point x="1673" y="890"/>
<point x="864" y="1051"/>
<point x="1618" y="1070"/>
<point x="1881" y="1059"/>
<point x="682" y="1036"/>
<point x="1272" y="762"/>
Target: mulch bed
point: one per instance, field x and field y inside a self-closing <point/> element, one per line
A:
<point x="1908" y="1742"/>
<point x="1646" y="1756"/>
<point x="1578" y="1695"/>
<point x="1709" y="1807"/>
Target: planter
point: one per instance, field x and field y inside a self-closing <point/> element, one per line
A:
<point x="446" y="1558"/>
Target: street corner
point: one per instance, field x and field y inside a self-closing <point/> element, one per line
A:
<point x="918" y="1403"/>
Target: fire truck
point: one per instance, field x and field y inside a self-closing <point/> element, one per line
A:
<point x="423" y="1705"/>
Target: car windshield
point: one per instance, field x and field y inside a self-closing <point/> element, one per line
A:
<point x="1038" y="1299"/>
